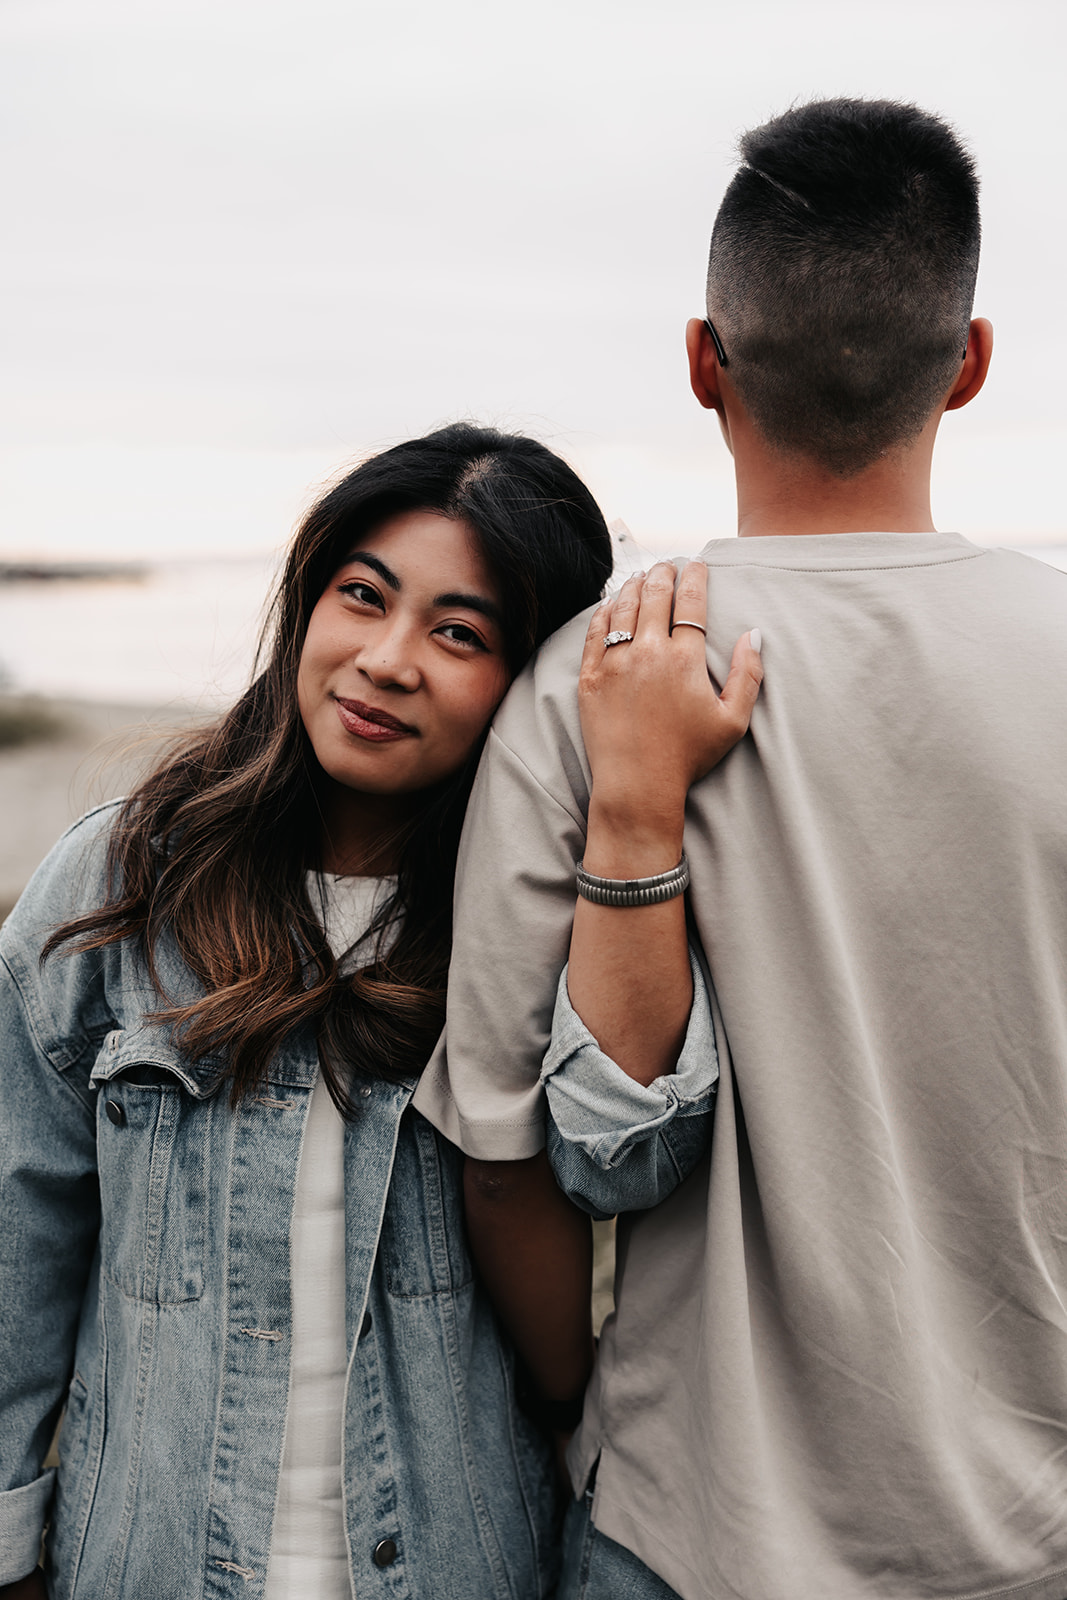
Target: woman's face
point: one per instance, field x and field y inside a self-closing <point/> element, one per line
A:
<point x="403" y="664"/>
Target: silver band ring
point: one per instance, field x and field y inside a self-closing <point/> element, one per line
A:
<point x="680" y="622"/>
<point x="617" y="636"/>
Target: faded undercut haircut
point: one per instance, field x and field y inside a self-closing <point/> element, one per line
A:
<point x="841" y="276"/>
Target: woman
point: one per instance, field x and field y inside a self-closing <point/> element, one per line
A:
<point x="217" y="996"/>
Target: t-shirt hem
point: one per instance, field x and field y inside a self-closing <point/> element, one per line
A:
<point x="617" y="1521"/>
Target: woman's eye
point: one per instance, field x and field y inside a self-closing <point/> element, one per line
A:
<point x="364" y="593"/>
<point x="459" y="633"/>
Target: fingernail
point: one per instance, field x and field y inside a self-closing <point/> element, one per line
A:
<point x="755" y="639"/>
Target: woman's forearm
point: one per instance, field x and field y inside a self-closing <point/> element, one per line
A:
<point x="629" y="977"/>
<point x="534" y="1251"/>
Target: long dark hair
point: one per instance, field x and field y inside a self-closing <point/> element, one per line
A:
<point x="213" y="848"/>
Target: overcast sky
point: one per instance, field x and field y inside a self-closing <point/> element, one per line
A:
<point x="249" y="240"/>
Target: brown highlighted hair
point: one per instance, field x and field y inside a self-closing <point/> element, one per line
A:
<point x="212" y="850"/>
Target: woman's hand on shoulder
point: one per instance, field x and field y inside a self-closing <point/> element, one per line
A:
<point x="652" y="720"/>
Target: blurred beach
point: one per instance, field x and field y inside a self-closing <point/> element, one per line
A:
<point x="86" y="754"/>
<point x="105" y="667"/>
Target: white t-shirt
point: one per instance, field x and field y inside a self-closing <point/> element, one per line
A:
<point x="308" y="1555"/>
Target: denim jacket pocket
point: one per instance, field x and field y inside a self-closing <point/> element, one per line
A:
<point x="153" y="1120"/>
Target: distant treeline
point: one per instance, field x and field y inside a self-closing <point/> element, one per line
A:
<point x="71" y="571"/>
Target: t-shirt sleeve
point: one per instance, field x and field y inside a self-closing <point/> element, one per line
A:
<point x="524" y="834"/>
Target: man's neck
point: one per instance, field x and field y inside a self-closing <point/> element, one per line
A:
<point x="781" y="494"/>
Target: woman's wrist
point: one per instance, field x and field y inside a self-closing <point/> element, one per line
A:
<point x="647" y="889"/>
<point x="628" y="840"/>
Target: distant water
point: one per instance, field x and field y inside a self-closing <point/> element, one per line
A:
<point x="185" y="633"/>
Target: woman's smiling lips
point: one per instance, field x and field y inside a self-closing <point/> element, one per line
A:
<point x="370" y="723"/>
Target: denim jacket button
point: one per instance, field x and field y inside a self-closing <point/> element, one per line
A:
<point x="115" y="1112"/>
<point x="384" y="1553"/>
<point x="368" y="1323"/>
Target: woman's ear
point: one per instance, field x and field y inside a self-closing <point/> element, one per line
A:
<point x="975" y="364"/>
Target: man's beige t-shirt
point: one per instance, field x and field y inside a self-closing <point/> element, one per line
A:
<point x="839" y="1363"/>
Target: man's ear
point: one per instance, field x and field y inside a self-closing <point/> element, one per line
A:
<point x="703" y="365"/>
<point x="975" y="364"/>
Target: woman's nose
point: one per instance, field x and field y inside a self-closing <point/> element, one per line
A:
<point x="390" y="660"/>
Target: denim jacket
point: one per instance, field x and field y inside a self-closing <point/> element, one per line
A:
<point x="145" y="1261"/>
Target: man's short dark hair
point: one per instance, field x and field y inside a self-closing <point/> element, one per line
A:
<point x="842" y="274"/>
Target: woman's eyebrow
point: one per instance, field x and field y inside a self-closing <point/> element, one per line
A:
<point x="377" y="565"/>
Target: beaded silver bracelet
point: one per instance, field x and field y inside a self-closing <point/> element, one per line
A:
<point x="633" y="891"/>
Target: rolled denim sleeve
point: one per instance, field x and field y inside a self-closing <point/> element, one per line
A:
<point x="23" y="1514"/>
<point x="616" y="1144"/>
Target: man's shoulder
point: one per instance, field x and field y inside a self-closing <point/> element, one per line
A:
<point x="542" y="703"/>
<point x="1031" y="567"/>
<point x="1016" y="589"/>
<point x="536" y="733"/>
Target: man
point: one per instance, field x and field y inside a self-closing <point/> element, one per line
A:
<point x="839" y="1363"/>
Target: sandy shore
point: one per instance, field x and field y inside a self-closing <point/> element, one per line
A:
<point x="46" y="785"/>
